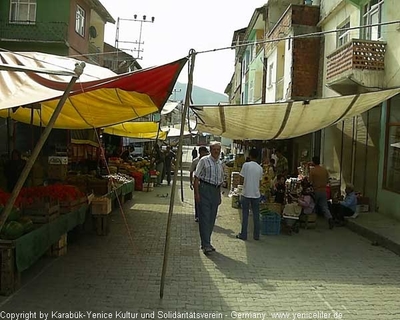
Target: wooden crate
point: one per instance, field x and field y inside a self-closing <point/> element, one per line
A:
<point x="148" y="186"/>
<point x="100" y="188"/>
<point x="59" y="248"/>
<point x="70" y="206"/>
<point x="10" y="278"/>
<point x="49" y="212"/>
<point x="101" y="224"/>
<point x="57" y="171"/>
<point x="101" y="206"/>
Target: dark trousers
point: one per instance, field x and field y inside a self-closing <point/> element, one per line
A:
<point x="255" y="208"/>
<point x="197" y="209"/>
<point x="168" y="173"/>
<point x="339" y="211"/>
<point x="210" y="199"/>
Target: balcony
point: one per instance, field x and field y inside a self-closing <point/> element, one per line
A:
<point x="357" y="67"/>
<point x="45" y="32"/>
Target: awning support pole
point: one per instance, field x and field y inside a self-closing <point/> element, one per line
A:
<point x="192" y="57"/>
<point x="25" y="172"/>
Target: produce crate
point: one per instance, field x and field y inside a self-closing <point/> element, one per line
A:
<point x="148" y="186"/>
<point x="101" y="206"/>
<point x="42" y="213"/>
<point x="236" y="202"/>
<point x="101" y="224"/>
<point x="10" y="278"/>
<point x="272" y="206"/>
<point x="100" y="187"/>
<point x="70" y="206"/>
<point x="57" y="171"/>
<point x="270" y="224"/>
<point x="59" y="248"/>
<point x="236" y="179"/>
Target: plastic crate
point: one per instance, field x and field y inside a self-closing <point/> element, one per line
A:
<point x="270" y="224"/>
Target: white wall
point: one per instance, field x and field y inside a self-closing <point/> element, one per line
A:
<point x="326" y="6"/>
<point x="288" y="67"/>
<point x="332" y="23"/>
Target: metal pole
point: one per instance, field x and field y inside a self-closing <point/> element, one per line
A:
<point x="25" y="172"/>
<point x="140" y="39"/>
<point x="192" y="56"/>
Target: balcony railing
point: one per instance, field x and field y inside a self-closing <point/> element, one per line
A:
<point x="35" y="32"/>
<point x="357" y="54"/>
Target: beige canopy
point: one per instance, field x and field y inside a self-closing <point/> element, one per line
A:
<point x="284" y="120"/>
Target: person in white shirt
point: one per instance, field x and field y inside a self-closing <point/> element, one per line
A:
<point x="209" y="177"/>
<point x="203" y="151"/>
<point x="252" y="173"/>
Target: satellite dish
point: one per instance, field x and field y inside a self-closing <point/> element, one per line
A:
<point x="92" y="32"/>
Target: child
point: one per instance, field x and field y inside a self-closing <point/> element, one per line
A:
<point x="306" y="200"/>
<point x="280" y="189"/>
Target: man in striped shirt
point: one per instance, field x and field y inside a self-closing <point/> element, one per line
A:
<point x="209" y="177"/>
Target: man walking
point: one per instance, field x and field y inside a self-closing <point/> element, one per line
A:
<point x="319" y="178"/>
<point x="202" y="152"/>
<point x="252" y="173"/>
<point x="194" y="153"/>
<point x="209" y="177"/>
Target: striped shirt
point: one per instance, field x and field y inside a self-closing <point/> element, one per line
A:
<point x="210" y="170"/>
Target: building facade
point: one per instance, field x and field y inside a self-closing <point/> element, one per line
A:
<point x="269" y="70"/>
<point x="72" y="28"/>
<point x="364" y="150"/>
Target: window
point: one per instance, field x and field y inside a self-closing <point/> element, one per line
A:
<point x="392" y="165"/>
<point x="372" y="14"/>
<point x="23" y="11"/>
<point x="80" y="21"/>
<point x="343" y="34"/>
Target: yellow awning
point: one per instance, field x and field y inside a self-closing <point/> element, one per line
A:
<point x="100" y="97"/>
<point x="139" y="130"/>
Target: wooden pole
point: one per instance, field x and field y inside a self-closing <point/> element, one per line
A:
<point x="181" y="155"/>
<point x="192" y="57"/>
<point x="25" y="172"/>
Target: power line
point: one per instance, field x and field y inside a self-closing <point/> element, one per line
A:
<point x="306" y="35"/>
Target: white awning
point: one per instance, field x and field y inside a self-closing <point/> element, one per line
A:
<point x="169" y="107"/>
<point x="284" y="120"/>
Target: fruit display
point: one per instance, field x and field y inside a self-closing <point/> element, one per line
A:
<point x="118" y="178"/>
<point x="12" y="230"/>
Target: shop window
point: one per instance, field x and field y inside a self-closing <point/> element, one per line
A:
<point x="343" y="34"/>
<point x="80" y="21"/>
<point x="392" y="165"/>
<point x="372" y="14"/>
<point x="23" y="11"/>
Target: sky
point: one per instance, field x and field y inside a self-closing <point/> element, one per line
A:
<point x="181" y="25"/>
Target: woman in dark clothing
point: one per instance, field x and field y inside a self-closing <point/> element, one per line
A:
<point x="280" y="189"/>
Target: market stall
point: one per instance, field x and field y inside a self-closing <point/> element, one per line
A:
<point x="38" y="220"/>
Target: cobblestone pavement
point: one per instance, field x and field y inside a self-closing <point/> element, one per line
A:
<point x="316" y="274"/>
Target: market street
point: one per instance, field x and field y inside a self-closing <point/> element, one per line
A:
<point x="328" y="274"/>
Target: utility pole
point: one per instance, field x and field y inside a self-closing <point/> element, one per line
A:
<point x="175" y="91"/>
<point x="139" y="42"/>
